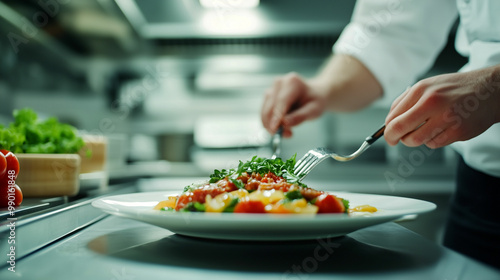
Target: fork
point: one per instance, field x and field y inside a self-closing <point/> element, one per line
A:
<point x="276" y="143"/>
<point x="315" y="156"/>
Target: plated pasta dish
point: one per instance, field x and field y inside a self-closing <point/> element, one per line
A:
<point x="260" y="185"/>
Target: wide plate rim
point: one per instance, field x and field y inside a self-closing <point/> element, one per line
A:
<point x="259" y="226"/>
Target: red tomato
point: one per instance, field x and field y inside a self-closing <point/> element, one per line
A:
<point x="310" y="194"/>
<point x="243" y="177"/>
<point x="271" y="178"/>
<point x="198" y="195"/>
<point x="3" y="166"/>
<point x="227" y="185"/>
<point x="250" y="206"/>
<point x="10" y="195"/>
<point x="252" y="184"/>
<point x="328" y="203"/>
<point x="12" y="163"/>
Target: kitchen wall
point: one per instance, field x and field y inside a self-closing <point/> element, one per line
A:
<point x="165" y="90"/>
<point x="161" y="90"/>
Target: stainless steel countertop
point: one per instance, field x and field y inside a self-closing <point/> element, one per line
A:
<point x="117" y="248"/>
<point x="77" y="241"/>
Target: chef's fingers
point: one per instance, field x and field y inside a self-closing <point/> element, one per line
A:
<point x="266" y="108"/>
<point x="442" y="138"/>
<point x="309" y="111"/>
<point x="407" y="101"/>
<point x="269" y="103"/>
<point x="290" y="91"/>
<point x="404" y="124"/>
<point x="399" y="98"/>
<point x="287" y="132"/>
<point x="425" y="132"/>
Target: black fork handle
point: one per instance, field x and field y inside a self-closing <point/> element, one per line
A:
<point x="375" y="136"/>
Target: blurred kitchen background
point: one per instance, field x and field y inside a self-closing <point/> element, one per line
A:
<point x="177" y="87"/>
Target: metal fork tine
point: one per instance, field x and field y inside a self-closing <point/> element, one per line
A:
<point x="302" y="162"/>
<point x="308" y="166"/>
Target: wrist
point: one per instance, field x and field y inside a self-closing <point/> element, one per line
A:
<point x="323" y="89"/>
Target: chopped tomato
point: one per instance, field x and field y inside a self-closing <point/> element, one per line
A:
<point x="243" y="177"/>
<point x="250" y="206"/>
<point x="271" y="178"/>
<point x="227" y="185"/>
<point x="252" y="184"/>
<point x="328" y="203"/>
<point x="310" y="194"/>
<point x="198" y="195"/>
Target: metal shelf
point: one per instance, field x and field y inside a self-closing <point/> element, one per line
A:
<point x="30" y="42"/>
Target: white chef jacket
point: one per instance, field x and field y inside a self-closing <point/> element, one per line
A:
<point x="398" y="41"/>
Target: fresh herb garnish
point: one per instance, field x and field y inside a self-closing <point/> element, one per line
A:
<point x="189" y="188"/>
<point x="238" y="183"/>
<point x="261" y="166"/>
<point x="219" y="175"/>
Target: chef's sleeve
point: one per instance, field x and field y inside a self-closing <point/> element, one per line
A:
<point x="397" y="40"/>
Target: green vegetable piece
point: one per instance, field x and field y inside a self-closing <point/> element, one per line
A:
<point x="27" y="134"/>
<point x="238" y="183"/>
<point x="232" y="204"/>
<point x="291" y="195"/>
<point x="218" y="175"/>
<point x="24" y="117"/>
<point x="188" y="189"/>
<point x="346" y="204"/>
<point x="193" y="207"/>
<point x="11" y="140"/>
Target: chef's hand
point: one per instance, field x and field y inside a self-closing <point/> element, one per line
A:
<point x="290" y="101"/>
<point x="443" y="109"/>
<point x="344" y="84"/>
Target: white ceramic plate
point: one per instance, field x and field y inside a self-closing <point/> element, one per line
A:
<point x="138" y="206"/>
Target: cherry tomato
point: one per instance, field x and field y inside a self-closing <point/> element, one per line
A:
<point x="12" y="163"/>
<point x="3" y="166"/>
<point x="328" y="203"/>
<point x="10" y="195"/>
<point x="250" y="206"/>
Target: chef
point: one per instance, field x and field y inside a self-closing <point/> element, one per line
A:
<point x="382" y="52"/>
